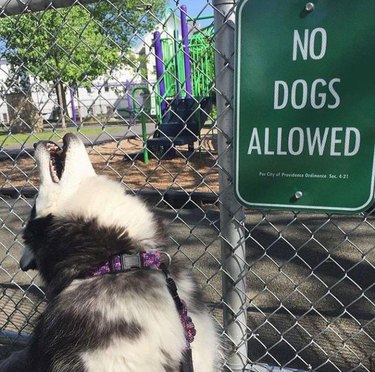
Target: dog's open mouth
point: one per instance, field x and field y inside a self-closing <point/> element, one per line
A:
<point x="56" y="161"/>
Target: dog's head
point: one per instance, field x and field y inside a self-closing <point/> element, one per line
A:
<point x="70" y="189"/>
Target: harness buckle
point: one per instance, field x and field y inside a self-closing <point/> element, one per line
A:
<point x="131" y="261"/>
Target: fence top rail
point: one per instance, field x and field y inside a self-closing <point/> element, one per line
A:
<point x="14" y="7"/>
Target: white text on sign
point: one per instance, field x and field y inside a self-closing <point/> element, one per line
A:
<point x="300" y="94"/>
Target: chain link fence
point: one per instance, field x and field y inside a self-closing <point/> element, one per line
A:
<point x="148" y="85"/>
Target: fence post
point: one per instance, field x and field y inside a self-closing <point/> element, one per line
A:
<point x="231" y="212"/>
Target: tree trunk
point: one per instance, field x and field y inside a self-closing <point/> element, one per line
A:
<point x="24" y="117"/>
<point x="79" y="109"/>
<point x="60" y="102"/>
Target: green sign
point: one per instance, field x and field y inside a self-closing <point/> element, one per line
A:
<point x="305" y="104"/>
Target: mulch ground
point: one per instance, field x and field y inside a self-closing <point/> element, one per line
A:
<point x="123" y="161"/>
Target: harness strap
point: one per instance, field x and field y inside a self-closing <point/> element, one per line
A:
<point x="186" y="364"/>
<point x="186" y="320"/>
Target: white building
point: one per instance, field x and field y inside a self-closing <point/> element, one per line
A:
<point x="105" y="96"/>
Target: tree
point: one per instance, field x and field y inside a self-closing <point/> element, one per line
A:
<point x="23" y="115"/>
<point x="73" y="46"/>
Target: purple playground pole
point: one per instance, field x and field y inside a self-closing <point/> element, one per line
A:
<point x="160" y="69"/>
<point x="185" y="42"/>
<point x="73" y="106"/>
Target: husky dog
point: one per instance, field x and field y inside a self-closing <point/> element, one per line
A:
<point x="119" y="321"/>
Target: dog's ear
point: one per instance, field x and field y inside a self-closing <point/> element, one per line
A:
<point x="34" y="236"/>
<point x="35" y="230"/>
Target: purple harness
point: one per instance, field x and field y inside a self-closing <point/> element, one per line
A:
<point x="150" y="260"/>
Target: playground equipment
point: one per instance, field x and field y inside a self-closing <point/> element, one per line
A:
<point x="185" y="73"/>
<point x="181" y="124"/>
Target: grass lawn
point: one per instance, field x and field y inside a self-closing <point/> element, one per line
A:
<point x="30" y="138"/>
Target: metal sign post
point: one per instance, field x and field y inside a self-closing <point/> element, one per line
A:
<point x="305" y="105"/>
<point x="232" y="232"/>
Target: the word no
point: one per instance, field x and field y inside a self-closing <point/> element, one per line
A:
<point x="307" y="46"/>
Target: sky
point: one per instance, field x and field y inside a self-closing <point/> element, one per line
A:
<point x="194" y="6"/>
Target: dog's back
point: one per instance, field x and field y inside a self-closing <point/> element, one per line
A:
<point x="122" y="322"/>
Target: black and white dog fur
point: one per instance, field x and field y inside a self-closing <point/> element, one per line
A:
<point x="123" y="322"/>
